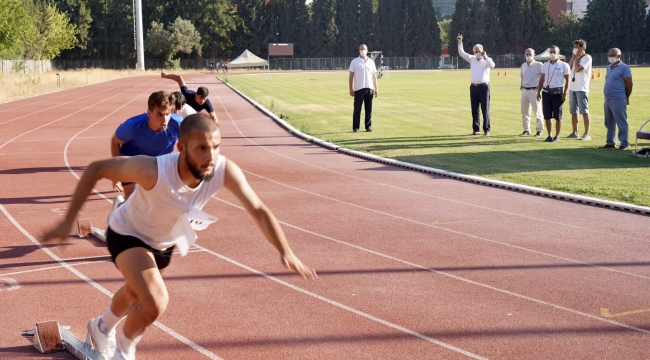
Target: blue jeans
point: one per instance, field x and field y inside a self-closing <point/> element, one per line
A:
<point x="616" y="115"/>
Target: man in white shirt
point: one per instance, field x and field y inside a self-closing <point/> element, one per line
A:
<point x="479" y="90"/>
<point x="155" y="220"/>
<point x="530" y="73"/>
<point x="554" y="94"/>
<point x="363" y="86"/>
<point x="580" y="65"/>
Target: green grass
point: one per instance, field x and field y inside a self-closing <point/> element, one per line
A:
<point x="424" y="118"/>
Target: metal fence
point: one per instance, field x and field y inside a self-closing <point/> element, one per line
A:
<point x="277" y="63"/>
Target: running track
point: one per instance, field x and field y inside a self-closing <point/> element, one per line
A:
<point x="411" y="266"/>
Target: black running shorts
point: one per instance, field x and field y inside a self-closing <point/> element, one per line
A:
<point x="118" y="243"/>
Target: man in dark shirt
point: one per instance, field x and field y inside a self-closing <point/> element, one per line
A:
<point x="198" y="99"/>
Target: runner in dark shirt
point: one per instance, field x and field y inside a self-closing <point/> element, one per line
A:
<point x="198" y="99"/>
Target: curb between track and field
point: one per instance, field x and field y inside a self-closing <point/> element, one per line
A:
<point x="614" y="205"/>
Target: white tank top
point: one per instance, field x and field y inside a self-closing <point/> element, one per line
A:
<point x="151" y="215"/>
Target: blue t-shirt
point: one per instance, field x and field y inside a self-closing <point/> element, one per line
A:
<point x="615" y="80"/>
<point x="139" y="139"/>
<point x="189" y="100"/>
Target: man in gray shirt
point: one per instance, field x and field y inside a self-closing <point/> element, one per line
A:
<point x="530" y="73"/>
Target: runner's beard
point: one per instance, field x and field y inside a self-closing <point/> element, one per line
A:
<point x="196" y="170"/>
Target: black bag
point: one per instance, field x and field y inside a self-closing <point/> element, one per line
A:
<point x="554" y="91"/>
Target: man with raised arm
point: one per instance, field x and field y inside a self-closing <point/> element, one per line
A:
<point x="479" y="89"/>
<point x="198" y="99"/>
<point x="159" y="216"/>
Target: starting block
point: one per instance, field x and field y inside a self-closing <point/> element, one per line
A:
<point x="51" y="337"/>
<point x="85" y="228"/>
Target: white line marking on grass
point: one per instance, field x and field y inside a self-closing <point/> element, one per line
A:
<point x="456" y="277"/>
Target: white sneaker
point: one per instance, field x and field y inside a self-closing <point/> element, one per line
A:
<point x="119" y="355"/>
<point x="103" y="343"/>
<point x="585" y="137"/>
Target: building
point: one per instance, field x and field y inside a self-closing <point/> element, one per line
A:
<point x="578" y="7"/>
<point x="444" y="8"/>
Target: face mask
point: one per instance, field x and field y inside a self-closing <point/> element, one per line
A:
<point x="612" y="59"/>
<point x="363" y="52"/>
<point x="575" y="51"/>
<point x="529" y="58"/>
<point x="478" y="56"/>
<point x="553" y="56"/>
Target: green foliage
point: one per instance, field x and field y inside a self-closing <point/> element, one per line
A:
<point x="324" y="31"/>
<point x="445" y="31"/>
<point x="251" y="24"/>
<point x="16" y="28"/>
<point x="615" y="23"/>
<point x="55" y="32"/>
<point x="181" y="37"/>
<point x="172" y="64"/>
<point x="565" y="32"/>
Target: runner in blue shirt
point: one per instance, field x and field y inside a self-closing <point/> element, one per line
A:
<point x="153" y="133"/>
<point x="198" y="99"/>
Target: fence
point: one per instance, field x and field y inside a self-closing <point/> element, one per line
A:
<point x="275" y="63"/>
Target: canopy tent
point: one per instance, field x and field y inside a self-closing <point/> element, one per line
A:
<point x="545" y="56"/>
<point x="248" y="59"/>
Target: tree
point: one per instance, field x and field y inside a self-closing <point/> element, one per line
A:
<point x="422" y="35"/>
<point x="55" y="33"/>
<point x="445" y="32"/>
<point x="252" y="27"/>
<point x="184" y="37"/>
<point x="299" y="21"/>
<point x="566" y="31"/>
<point x="16" y="28"/>
<point x="215" y="20"/>
<point x="540" y="21"/>
<point x="324" y="31"/>
<point x="461" y="21"/>
<point x="158" y="40"/>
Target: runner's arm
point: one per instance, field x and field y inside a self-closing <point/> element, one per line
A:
<point x="213" y="115"/>
<point x="236" y="182"/>
<point x="115" y="146"/>
<point x="139" y="169"/>
<point x="177" y="78"/>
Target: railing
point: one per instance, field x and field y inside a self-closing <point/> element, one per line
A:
<point x="311" y="64"/>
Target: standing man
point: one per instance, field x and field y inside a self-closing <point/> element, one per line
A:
<point x="363" y="86"/>
<point x="618" y="88"/>
<point x="155" y="220"/>
<point x="580" y="65"/>
<point x="153" y="133"/>
<point x="479" y="90"/>
<point x="530" y="73"/>
<point x="550" y="89"/>
<point x="198" y="99"/>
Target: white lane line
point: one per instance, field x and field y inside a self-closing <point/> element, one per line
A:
<point x="102" y="289"/>
<point x="430" y="195"/>
<point x="434" y="226"/>
<point x="345" y="307"/>
<point x="59" y="119"/>
<point x="456" y="277"/>
<point x="53" y="267"/>
<point x="71" y="101"/>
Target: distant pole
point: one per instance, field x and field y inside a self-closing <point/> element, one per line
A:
<point x="138" y="32"/>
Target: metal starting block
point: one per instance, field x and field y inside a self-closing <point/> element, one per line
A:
<point x="51" y="337"/>
<point x="85" y="228"/>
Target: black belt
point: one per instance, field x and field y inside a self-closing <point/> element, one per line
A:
<point x="530" y="88"/>
<point x="482" y="84"/>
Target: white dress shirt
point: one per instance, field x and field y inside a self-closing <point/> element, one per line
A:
<point x="363" y="73"/>
<point x="480" y="69"/>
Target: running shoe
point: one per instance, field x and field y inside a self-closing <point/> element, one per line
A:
<point x="103" y="343"/>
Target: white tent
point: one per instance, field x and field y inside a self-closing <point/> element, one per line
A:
<point x="545" y="56"/>
<point x="248" y="59"/>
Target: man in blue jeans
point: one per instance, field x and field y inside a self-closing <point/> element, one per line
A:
<point x="618" y="88"/>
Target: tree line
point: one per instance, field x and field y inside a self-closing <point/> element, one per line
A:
<point x="104" y="29"/>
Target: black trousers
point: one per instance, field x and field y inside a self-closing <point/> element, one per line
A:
<point x="362" y="96"/>
<point x="480" y="95"/>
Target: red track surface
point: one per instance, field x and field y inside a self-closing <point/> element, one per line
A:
<point x="411" y="266"/>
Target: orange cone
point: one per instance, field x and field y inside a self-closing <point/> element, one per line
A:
<point x="592" y="75"/>
<point x="505" y="72"/>
<point x="498" y="72"/>
<point x="598" y="72"/>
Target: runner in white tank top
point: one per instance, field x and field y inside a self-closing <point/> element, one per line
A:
<point x="156" y="218"/>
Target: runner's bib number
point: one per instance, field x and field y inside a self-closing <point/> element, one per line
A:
<point x="183" y="231"/>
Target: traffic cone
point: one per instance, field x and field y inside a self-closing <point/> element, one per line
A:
<point x="498" y="72"/>
<point x="505" y="72"/>
<point x="598" y="72"/>
<point x="592" y="75"/>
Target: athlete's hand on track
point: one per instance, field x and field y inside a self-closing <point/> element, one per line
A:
<point x="117" y="187"/>
<point x="58" y="234"/>
<point x="290" y="261"/>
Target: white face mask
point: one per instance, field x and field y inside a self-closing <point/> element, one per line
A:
<point x="553" y="56"/>
<point x="529" y="58"/>
<point x="612" y="59"/>
<point x="575" y="51"/>
<point x="363" y="53"/>
<point x="478" y="55"/>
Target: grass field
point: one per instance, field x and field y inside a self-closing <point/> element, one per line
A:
<point x="423" y="117"/>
